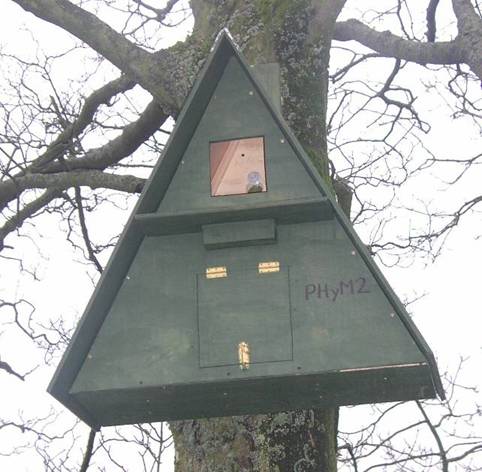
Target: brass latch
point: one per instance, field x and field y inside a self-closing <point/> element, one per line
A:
<point x="243" y="354"/>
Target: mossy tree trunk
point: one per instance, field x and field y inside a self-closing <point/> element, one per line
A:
<point x="297" y="35"/>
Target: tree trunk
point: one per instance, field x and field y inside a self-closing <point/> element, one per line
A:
<point x="296" y="441"/>
<point x="297" y="35"/>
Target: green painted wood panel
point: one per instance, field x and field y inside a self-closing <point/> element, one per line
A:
<point x="223" y="398"/>
<point x="245" y="306"/>
<point x="296" y="211"/>
<point x="236" y="110"/>
<point x="239" y="233"/>
<point x="341" y="318"/>
<point x="268" y="76"/>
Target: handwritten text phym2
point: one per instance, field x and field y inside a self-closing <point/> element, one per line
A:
<point x="332" y="292"/>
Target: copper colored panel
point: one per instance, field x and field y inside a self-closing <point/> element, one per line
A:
<point x="237" y="166"/>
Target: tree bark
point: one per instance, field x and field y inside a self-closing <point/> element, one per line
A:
<point x="296" y="441"/>
<point x="469" y="25"/>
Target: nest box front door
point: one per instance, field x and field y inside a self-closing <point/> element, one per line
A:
<point x="238" y="285"/>
<point x="247" y="313"/>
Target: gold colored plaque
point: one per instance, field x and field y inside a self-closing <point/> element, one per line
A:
<point x="216" y="272"/>
<point x="267" y="267"/>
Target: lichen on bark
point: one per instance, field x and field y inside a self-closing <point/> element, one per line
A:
<point x="300" y="441"/>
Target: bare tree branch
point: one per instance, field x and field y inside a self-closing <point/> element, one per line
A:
<point x="431" y="24"/>
<point x="433" y="429"/>
<point x="8" y="368"/>
<point x="88" y="451"/>
<point x="85" y="232"/>
<point x="62" y="180"/>
<point x="388" y="44"/>
<point x="466" y="48"/>
<point x="470" y="34"/>
<point x="29" y="210"/>
<point x="160" y="13"/>
<point x="54" y="175"/>
<point x="131" y="137"/>
<point x="62" y="143"/>
<point x="142" y="66"/>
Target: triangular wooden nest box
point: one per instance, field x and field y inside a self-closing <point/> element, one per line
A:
<point x="238" y="285"/>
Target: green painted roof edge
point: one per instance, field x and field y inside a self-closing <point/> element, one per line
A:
<point x="154" y="189"/>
